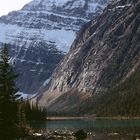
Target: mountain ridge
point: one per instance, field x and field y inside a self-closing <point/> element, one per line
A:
<point x="40" y="34"/>
<point x="104" y="54"/>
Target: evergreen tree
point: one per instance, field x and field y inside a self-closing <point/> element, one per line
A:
<point x="34" y="112"/>
<point x="22" y="124"/>
<point x="13" y="112"/>
<point x="8" y="103"/>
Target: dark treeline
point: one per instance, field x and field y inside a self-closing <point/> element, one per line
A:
<point x="122" y="100"/>
<point x="34" y="112"/>
<point x="14" y="112"/>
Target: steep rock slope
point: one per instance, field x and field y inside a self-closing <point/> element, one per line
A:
<point x="41" y="33"/>
<point x="105" y="53"/>
<point x="121" y="100"/>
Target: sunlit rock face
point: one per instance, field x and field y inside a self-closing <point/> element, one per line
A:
<point x="41" y="33"/>
<point x="104" y="54"/>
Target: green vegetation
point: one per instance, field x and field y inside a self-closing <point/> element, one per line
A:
<point x="122" y="100"/>
<point x="14" y="113"/>
<point x="34" y="112"/>
<point x="8" y="105"/>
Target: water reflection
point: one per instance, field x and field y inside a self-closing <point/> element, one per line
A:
<point x="90" y="125"/>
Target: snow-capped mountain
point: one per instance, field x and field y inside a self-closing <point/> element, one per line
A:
<point x="41" y="33"/>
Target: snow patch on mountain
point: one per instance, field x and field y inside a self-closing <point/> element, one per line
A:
<point x="77" y="4"/>
<point x="61" y="38"/>
<point x="58" y="2"/>
<point x="46" y="82"/>
<point x="25" y="96"/>
<point x="56" y="14"/>
<point x="46" y="4"/>
<point x="93" y="6"/>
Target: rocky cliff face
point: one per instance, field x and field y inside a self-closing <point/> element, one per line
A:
<point x="105" y="53"/>
<point x="41" y="33"/>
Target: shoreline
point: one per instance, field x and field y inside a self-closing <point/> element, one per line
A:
<point x="64" y="118"/>
<point x="70" y="135"/>
<point x="92" y="118"/>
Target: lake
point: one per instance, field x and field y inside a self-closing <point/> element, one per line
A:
<point x="99" y="125"/>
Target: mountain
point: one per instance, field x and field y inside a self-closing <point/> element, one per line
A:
<point x="41" y="33"/>
<point x="103" y="58"/>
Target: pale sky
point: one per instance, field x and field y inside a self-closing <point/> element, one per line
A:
<point x="7" y="6"/>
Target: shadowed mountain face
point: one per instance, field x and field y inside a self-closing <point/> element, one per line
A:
<point x="104" y="55"/>
<point x="41" y="33"/>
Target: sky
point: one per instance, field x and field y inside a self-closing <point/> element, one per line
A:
<point x="7" y="6"/>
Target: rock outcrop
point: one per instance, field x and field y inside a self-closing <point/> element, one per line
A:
<point x="105" y="53"/>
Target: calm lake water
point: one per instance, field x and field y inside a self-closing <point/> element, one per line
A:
<point x="90" y="125"/>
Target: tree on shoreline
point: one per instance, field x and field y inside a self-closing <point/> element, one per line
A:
<point x="13" y="111"/>
<point x="8" y="102"/>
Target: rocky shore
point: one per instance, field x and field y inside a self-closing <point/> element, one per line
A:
<point x="72" y="135"/>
